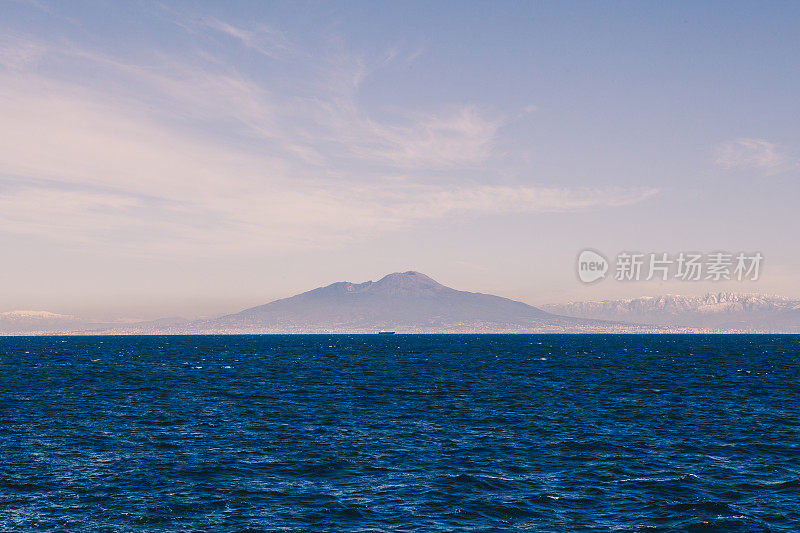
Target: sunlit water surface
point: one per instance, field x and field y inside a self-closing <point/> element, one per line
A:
<point x="400" y="433"/>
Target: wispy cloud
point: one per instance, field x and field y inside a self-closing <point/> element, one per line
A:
<point x="262" y="38"/>
<point x="42" y="6"/>
<point x="748" y="153"/>
<point x="18" y="54"/>
<point x="437" y="202"/>
<point x="461" y="137"/>
<point x="190" y="153"/>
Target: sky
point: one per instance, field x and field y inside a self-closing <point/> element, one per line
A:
<point x="196" y="158"/>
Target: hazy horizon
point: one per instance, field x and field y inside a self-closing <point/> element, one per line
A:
<point x="226" y="307"/>
<point x="194" y="158"/>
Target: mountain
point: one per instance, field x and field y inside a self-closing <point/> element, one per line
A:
<point x="403" y="302"/>
<point x="722" y="311"/>
<point x="411" y="302"/>
<point x="36" y="322"/>
<point x="47" y="323"/>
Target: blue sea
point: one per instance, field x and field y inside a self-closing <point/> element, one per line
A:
<point x="400" y="433"/>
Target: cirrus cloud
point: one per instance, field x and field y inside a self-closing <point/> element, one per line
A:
<point x="750" y="153"/>
<point x="188" y="153"/>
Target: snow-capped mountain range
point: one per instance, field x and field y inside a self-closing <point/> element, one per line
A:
<point x="722" y="310"/>
<point x="37" y="322"/>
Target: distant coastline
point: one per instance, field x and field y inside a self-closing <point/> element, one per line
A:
<point x="413" y="303"/>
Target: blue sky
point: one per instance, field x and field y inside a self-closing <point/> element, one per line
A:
<point x="191" y="158"/>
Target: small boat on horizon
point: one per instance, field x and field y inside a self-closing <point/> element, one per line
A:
<point x="386" y="333"/>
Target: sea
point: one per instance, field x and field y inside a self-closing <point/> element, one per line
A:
<point x="400" y="433"/>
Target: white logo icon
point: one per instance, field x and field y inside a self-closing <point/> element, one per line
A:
<point x="591" y="266"/>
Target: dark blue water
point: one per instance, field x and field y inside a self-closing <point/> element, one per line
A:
<point x="400" y="433"/>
